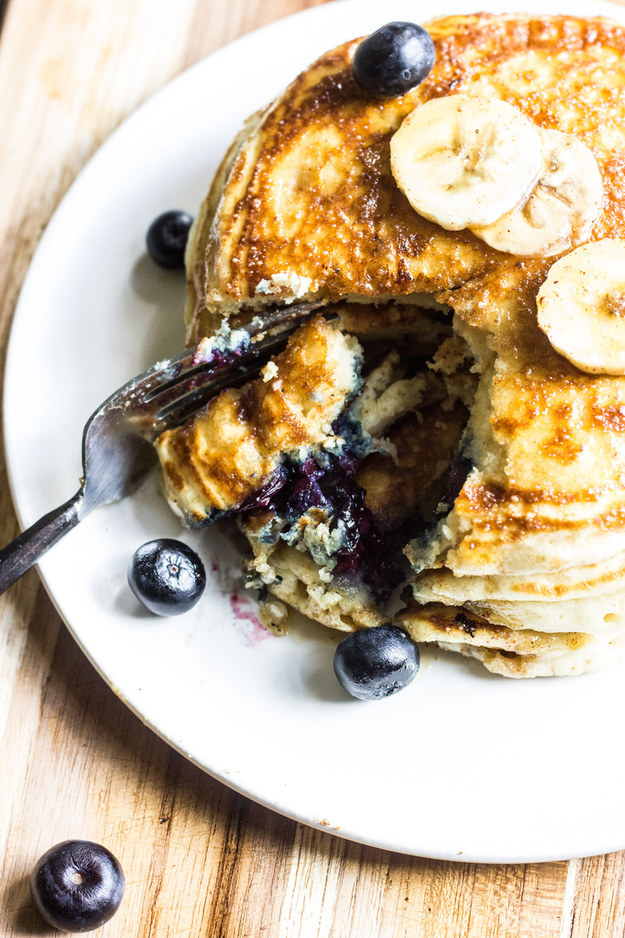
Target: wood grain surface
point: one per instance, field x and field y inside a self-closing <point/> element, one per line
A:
<point x="200" y="860"/>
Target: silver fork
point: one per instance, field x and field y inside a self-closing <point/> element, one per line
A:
<point x="117" y="439"/>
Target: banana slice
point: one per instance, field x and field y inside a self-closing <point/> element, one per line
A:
<point x="562" y="207"/>
<point x="581" y="306"/>
<point x="463" y="162"/>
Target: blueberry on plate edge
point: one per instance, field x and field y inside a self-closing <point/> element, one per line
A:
<point x="166" y="238"/>
<point x="393" y="59"/>
<point x="166" y="576"/>
<point x="376" y="662"/>
<point x="77" y="885"/>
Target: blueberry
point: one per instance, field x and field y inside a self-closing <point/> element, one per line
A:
<point x="394" y="59"/>
<point x="166" y="239"/>
<point x="376" y="662"/>
<point x="167" y="576"/>
<point x="77" y="885"/>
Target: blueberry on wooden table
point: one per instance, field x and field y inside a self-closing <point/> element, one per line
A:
<point x="166" y="576"/>
<point x="167" y="237"/>
<point x="394" y="59"/>
<point x="376" y="662"/>
<point x="77" y="885"/>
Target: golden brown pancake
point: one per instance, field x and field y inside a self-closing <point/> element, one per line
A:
<point x="522" y="565"/>
<point x="305" y="203"/>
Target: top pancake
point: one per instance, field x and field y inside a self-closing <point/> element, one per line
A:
<point x="305" y="203"/>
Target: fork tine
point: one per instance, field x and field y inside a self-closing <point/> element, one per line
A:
<point x="184" y="368"/>
<point x="168" y="394"/>
<point x="179" y="410"/>
<point x="199" y="384"/>
<point x="194" y="361"/>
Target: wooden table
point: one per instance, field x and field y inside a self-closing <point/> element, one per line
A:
<point x="200" y="860"/>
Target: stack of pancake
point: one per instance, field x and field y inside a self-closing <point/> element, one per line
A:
<point x="484" y="457"/>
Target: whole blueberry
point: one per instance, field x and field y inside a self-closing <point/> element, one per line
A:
<point x="77" y="885"/>
<point x="167" y="576"/>
<point x="166" y="239"/>
<point x="376" y="662"/>
<point x="394" y="59"/>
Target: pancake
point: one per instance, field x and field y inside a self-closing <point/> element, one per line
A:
<point x="310" y="457"/>
<point x="519" y="652"/>
<point x="237" y="444"/>
<point x="477" y="462"/>
<point x="305" y="204"/>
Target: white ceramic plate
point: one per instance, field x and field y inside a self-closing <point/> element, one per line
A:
<point x="461" y="765"/>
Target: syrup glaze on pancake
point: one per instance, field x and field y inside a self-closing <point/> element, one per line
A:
<point x="306" y="195"/>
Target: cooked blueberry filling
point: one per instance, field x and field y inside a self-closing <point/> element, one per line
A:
<point x="366" y="553"/>
<point x="350" y="542"/>
<point x="451" y="484"/>
<point x="459" y="468"/>
<point x="262" y="498"/>
<point x="357" y="444"/>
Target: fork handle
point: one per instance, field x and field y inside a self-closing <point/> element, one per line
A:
<point x="22" y="553"/>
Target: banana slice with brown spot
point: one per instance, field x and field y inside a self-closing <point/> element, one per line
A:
<point x="581" y="306"/>
<point x="562" y="207"/>
<point x="464" y="161"/>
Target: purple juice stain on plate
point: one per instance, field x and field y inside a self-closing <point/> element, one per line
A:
<point x="249" y="628"/>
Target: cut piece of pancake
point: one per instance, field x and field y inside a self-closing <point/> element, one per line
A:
<point x="344" y="468"/>
<point x="237" y="444"/>
<point x="496" y="463"/>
